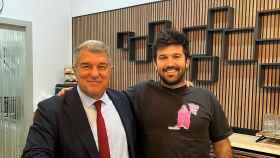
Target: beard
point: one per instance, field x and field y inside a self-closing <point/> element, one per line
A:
<point x="179" y="79"/>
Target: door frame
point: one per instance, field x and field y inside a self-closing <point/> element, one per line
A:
<point x="26" y="27"/>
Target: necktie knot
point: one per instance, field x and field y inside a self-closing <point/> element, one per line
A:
<point x="97" y="105"/>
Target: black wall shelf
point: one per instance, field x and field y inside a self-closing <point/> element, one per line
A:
<point x="194" y="28"/>
<point x="220" y="30"/>
<point x="188" y="30"/>
<point x="209" y="39"/>
<point x="258" y="29"/>
<point x="132" y="49"/>
<point x="122" y="39"/>
<point x="269" y="12"/>
<point x="214" y="61"/>
<point x="229" y="16"/>
<point x="157" y="26"/>
<point x="262" y="42"/>
<point x="225" y="46"/>
<point x="210" y="24"/>
<point x="267" y="41"/>
<point x="275" y="77"/>
<point x="244" y="29"/>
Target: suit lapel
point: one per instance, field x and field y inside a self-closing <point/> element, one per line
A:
<point x="78" y="118"/>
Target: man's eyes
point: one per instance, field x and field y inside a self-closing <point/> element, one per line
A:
<point x="174" y="56"/>
<point x="177" y="56"/>
<point x="162" y="57"/>
<point x="102" y="67"/>
<point x="99" y="67"/>
<point x="85" y="66"/>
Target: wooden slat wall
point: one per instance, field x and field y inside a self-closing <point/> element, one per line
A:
<point x="237" y="88"/>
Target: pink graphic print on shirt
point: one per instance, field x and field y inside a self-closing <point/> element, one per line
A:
<point x="193" y="108"/>
<point x="184" y="116"/>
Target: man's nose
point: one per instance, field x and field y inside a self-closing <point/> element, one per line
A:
<point x="94" y="72"/>
<point x="170" y="62"/>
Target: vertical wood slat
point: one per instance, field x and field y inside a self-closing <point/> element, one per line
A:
<point x="243" y="100"/>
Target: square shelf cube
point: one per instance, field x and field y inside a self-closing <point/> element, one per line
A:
<point x="204" y="69"/>
<point x="122" y="39"/>
<point x="239" y="46"/>
<point x="269" y="76"/>
<point x="138" y="49"/>
<point x="156" y="27"/>
<point x="196" y="39"/>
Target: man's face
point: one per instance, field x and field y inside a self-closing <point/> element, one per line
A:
<point x="93" y="71"/>
<point x="171" y="64"/>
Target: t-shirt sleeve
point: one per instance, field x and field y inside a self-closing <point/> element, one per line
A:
<point x="219" y="127"/>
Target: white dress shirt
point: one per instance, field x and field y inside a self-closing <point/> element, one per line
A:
<point x="114" y="127"/>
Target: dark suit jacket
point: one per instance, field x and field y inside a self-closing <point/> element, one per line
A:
<point x="61" y="128"/>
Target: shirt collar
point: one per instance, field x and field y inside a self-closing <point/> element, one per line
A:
<point x="87" y="101"/>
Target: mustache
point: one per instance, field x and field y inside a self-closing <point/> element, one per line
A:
<point x="171" y="68"/>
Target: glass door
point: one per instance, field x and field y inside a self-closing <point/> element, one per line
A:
<point x="13" y="108"/>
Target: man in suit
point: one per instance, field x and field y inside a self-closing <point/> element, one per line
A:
<point x="89" y="121"/>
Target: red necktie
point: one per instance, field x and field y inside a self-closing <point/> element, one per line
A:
<point x="104" y="151"/>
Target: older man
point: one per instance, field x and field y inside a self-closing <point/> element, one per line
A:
<point x="89" y="121"/>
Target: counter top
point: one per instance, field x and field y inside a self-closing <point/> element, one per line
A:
<point x="248" y="142"/>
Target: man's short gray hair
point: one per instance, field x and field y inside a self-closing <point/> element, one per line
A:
<point x="93" y="46"/>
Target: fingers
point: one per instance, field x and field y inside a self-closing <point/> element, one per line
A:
<point x="63" y="90"/>
<point x="189" y="84"/>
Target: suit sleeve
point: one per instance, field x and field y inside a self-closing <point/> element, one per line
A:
<point x="42" y="135"/>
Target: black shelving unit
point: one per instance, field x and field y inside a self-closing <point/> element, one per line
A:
<point x="188" y="30"/>
<point x="267" y="41"/>
<point x="262" y="82"/>
<point x="122" y="39"/>
<point x="155" y="27"/>
<point x="260" y="42"/>
<point x="258" y="29"/>
<point x="220" y="30"/>
<point x="211" y="30"/>
<point x="214" y="61"/>
<point x="151" y="50"/>
<point x="194" y="28"/>
<point x="209" y="39"/>
<point x="211" y="15"/>
<point x="132" y="49"/>
<point x="225" y="46"/>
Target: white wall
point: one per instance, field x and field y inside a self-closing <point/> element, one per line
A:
<point x="51" y="34"/>
<point x="83" y="7"/>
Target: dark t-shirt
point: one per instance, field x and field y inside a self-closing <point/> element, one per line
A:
<point x="178" y="123"/>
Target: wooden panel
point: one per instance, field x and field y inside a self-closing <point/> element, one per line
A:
<point x="238" y="90"/>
